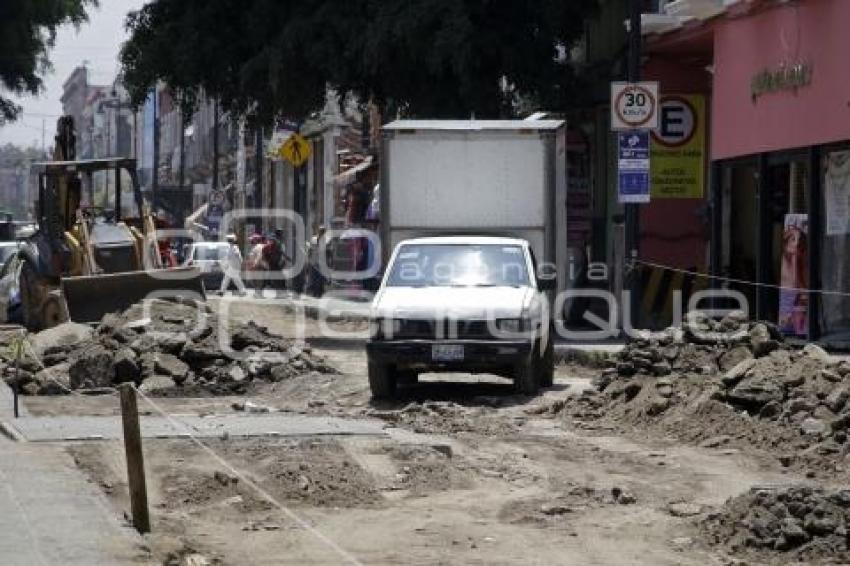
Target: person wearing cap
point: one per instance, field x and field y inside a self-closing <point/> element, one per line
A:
<point x="232" y="267"/>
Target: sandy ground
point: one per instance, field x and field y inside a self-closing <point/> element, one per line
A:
<point x="468" y="474"/>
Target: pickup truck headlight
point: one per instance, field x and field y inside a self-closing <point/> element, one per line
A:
<point x="511" y="325"/>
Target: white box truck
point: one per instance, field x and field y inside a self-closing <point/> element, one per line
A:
<point x="482" y="177"/>
<point x="469" y="210"/>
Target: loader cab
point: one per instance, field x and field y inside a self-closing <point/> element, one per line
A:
<point x="95" y="187"/>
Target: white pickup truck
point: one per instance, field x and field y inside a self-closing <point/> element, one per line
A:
<point x="461" y="304"/>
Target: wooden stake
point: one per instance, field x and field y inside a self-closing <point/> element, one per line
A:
<point x="135" y="459"/>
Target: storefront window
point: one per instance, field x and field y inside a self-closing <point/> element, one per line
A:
<point x="835" y="245"/>
<point x="788" y="228"/>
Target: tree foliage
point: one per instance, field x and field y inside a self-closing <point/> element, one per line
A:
<point x="436" y="58"/>
<point x="27" y="32"/>
<point x="12" y="155"/>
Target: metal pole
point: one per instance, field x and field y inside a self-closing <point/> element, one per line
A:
<point x="632" y="210"/>
<point x="257" y="200"/>
<point x="815" y="238"/>
<point x="215" y="146"/>
<point x="155" y="180"/>
<point x="17" y="387"/>
<point x="182" y="149"/>
<point x="118" y="128"/>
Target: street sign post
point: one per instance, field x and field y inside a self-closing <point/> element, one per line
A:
<point x="633" y="166"/>
<point x="634" y="106"/>
<point x="296" y="150"/>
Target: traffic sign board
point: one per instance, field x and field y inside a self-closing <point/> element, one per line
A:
<point x="634" y="105"/>
<point x="633" y="167"/>
<point x="678" y="121"/>
<point x="296" y="150"/>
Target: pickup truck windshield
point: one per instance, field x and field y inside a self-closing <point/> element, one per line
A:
<point x="459" y="265"/>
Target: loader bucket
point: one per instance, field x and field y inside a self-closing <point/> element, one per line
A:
<point x="90" y="297"/>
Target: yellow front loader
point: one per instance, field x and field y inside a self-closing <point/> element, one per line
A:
<point x="88" y="259"/>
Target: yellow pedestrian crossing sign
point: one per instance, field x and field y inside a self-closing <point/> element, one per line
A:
<point x="296" y="150"/>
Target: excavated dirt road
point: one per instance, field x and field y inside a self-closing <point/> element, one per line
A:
<point x="468" y="474"/>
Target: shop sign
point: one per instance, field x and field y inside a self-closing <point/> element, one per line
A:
<point x="786" y="77"/>
<point x="633" y="166"/>
<point x="634" y="105"/>
<point x="678" y="147"/>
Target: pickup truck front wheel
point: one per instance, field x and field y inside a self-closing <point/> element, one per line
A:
<point x="527" y="376"/>
<point x="382" y="381"/>
<point x="547" y="365"/>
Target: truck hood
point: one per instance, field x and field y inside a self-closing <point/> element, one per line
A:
<point x="463" y="303"/>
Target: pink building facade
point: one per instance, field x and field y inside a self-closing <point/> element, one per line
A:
<point x="776" y="76"/>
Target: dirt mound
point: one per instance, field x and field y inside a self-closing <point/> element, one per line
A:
<point x="188" y="488"/>
<point x="312" y="472"/>
<point x="556" y="508"/>
<point x="445" y="417"/>
<point x="701" y="345"/>
<point x="425" y="469"/>
<point x="164" y="346"/>
<point x="783" y="524"/>
<point x="730" y="383"/>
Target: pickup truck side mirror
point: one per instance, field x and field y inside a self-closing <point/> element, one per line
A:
<point x="547" y="284"/>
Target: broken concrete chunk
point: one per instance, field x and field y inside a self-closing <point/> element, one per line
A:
<point x="172" y="366"/>
<point x="65" y="335"/>
<point x="737" y="372"/>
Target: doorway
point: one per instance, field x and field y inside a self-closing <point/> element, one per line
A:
<point x="740" y="218"/>
<point x="758" y="195"/>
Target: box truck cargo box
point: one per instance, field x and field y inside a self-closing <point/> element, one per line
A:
<point x="480" y="177"/>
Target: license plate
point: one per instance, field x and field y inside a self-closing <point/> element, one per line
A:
<point x="447" y="352"/>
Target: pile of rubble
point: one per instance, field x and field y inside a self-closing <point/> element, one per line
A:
<point x="161" y="345"/>
<point x="720" y="382"/>
<point x="701" y="345"/>
<point x="791" y="524"/>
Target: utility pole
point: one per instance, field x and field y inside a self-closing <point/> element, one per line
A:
<point x="182" y="148"/>
<point x="632" y="210"/>
<point x="215" y="146"/>
<point x="155" y="180"/>
<point x="182" y="160"/>
<point x="118" y="123"/>
<point x="257" y="201"/>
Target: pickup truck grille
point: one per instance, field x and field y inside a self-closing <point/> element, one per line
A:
<point x="442" y="329"/>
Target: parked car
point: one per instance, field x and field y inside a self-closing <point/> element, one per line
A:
<point x="209" y="258"/>
<point x="461" y="304"/>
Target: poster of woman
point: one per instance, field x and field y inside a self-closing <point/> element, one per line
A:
<point x="793" y="298"/>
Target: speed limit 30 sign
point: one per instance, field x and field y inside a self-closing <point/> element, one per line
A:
<point x="634" y="106"/>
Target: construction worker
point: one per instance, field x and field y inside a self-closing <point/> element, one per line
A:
<point x="232" y="267"/>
